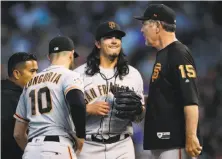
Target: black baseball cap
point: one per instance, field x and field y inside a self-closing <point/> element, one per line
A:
<point x="108" y="28"/>
<point x="61" y="43"/>
<point x="159" y="12"/>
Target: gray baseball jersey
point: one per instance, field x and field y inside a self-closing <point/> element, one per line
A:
<point x="43" y="102"/>
<point x="98" y="89"/>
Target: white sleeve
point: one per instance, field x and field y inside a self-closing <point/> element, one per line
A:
<point x="140" y="88"/>
<point x="80" y="69"/>
<point x="140" y="91"/>
<point x="71" y="81"/>
<point x="21" y="111"/>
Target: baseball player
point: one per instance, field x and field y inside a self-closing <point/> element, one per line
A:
<point x="51" y="101"/>
<point x="114" y="97"/>
<point x="171" y="124"/>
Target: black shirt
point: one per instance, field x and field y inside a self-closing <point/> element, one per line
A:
<point x="10" y="97"/>
<point x="172" y="86"/>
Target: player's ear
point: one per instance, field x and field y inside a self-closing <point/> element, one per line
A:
<point x="48" y="57"/>
<point x="97" y="43"/>
<point x="71" y="54"/>
<point x="158" y="25"/>
<point x="16" y="74"/>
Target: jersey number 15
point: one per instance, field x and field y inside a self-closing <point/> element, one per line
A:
<point x="187" y="71"/>
<point x="43" y="100"/>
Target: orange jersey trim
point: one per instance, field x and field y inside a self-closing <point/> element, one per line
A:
<point x="20" y="118"/>
<point x="70" y="154"/>
<point x="70" y="88"/>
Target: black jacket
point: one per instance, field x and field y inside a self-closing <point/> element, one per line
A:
<point x="10" y="96"/>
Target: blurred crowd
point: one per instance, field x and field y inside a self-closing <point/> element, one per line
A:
<point x="29" y="26"/>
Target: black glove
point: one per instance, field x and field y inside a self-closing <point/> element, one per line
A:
<point x="127" y="104"/>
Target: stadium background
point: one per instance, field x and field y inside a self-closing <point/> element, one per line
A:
<point x="28" y="26"/>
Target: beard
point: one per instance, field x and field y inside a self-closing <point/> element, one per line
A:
<point x="113" y="56"/>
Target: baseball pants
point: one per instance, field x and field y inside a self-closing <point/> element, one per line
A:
<point x="123" y="149"/>
<point x="170" y="154"/>
<point x="40" y="149"/>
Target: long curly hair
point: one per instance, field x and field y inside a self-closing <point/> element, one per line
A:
<point x="93" y="62"/>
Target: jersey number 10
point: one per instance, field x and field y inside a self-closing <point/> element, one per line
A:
<point x="43" y="92"/>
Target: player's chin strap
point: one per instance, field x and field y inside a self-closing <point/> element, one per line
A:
<point x="107" y="85"/>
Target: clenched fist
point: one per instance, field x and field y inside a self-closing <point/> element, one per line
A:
<point x="193" y="147"/>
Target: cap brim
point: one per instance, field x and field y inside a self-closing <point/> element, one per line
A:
<point x="141" y="18"/>
<point x="119" y="32"/>
<point x="76" y="55"/>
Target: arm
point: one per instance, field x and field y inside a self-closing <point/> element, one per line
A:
<point x="88" y="109"/>
<point x="193" y="147"/>
<point x="73" y="88"/>
<point x="191" y="118"/>
<point x="186" y="79"/>
<point x="98" y="108"/>
<point x="21" y="123"/>
<point x="140" y="91"/>
<point x="189" y="94"/>
<point x="20" y="134"/>
<point x="76" y="101"/>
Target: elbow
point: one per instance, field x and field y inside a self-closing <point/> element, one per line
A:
<point x="17" y="136"/>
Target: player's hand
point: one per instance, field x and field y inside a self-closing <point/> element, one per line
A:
<point x="98" y="108"/>
<point x="193" y="147"/>
<point x="79" y="145"/>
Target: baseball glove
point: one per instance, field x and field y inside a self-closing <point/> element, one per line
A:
<point x="127" y="104"/>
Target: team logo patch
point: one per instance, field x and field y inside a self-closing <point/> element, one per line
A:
<point x="156" y="71"/>
<point x="163" y="135"/>
<point x="112" y="25"/>
<point x="77" y="81"/>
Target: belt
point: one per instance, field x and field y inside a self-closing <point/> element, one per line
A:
<point x="109" y="140"/>
<point x="48" y="138"/>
